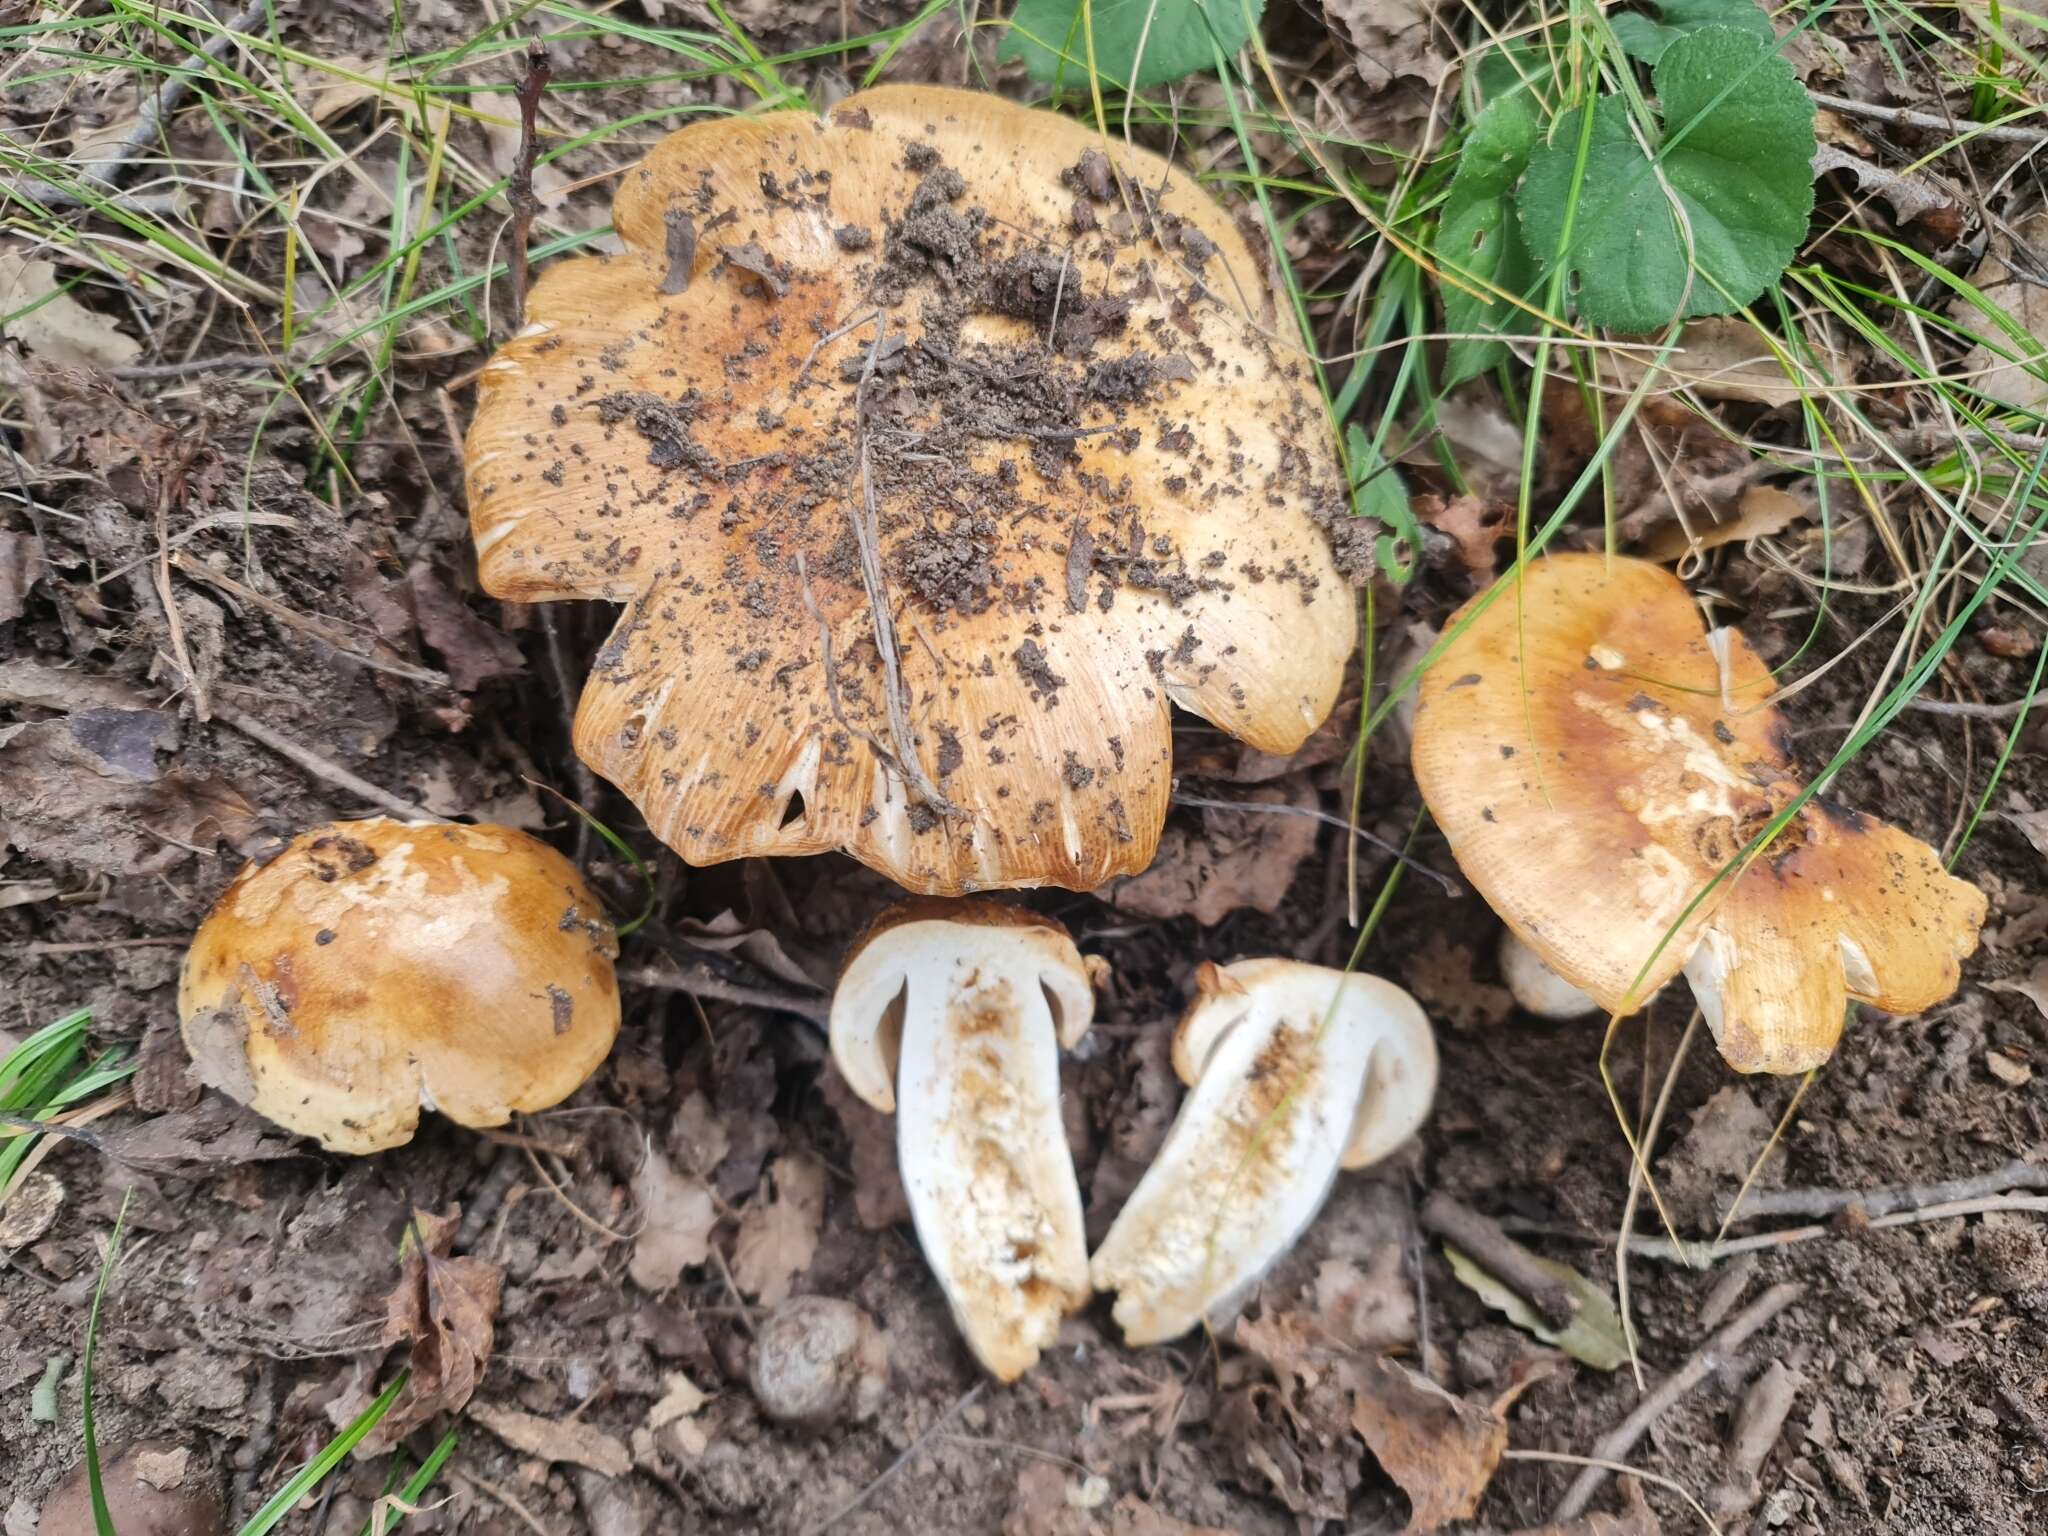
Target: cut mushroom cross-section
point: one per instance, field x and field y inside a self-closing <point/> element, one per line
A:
<point x="1295" y="1071"/>
<point x="936" y="447"/>
<point x="953" y="1014"/>
<point x="373" y="968"/>
<point x="1597" y="759"/>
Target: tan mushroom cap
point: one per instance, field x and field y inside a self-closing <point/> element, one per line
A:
<point x="1095" y="480"/>
<point x="375" y="967"/>
<point x="1577" y="748"/>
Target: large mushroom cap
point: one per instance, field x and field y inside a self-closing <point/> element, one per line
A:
<point x="1022" y="388"/>
<point x="1596" y="758"/>
<point x="373" y="967"/>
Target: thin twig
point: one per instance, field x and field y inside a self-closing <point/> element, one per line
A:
<point x="321" y="768"/>
<point x="1886" y="1199"/>
<point x="1969" y="711"/>
<point x="540" y="68"/>
<point x="1481" y="1238"/>
<point x="166" y="99"/>
<point x="330" y="635"/>
<point x="699" y="982"/>
<point x="867" y="534"/>
<point x="1934" y="120"/>
<point x="1615" y="1445"/>
<point x="909" y="1454"/>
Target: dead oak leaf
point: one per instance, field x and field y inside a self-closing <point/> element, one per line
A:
<point x="1440" y="1449"/>
<point x="1475" y="525"/>
<point x="778" y="1236"/>
<point x="444" y="1307"/>
<point x="567" y="1440"/>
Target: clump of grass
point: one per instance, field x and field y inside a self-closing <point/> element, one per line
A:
<point x="49" y="1072"/>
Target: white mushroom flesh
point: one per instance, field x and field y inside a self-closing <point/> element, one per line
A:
<point x="1536" y="987"/>
<point x="1296" y="1071"/>
<point x="967" y="1021"/>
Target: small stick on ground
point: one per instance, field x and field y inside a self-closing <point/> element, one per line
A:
<point x="1711" y="1356"/>
<point x="699" y="982"/>
<point x="162" y="102"/>
<point x="540" y="69"/>
<point x="322" y="769"/>
<point x="1481" y="1239"/>
<point x="483" y="1205"/>
<point x="1962" y="130"/>
<point x="1888" y="1198"/>
<point x="910" y="1452"/>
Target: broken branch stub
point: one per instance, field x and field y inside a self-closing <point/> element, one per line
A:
<point x="931" y="473"/>
<point x="1296" y="1071"/>
<point x="952" y="1015"/>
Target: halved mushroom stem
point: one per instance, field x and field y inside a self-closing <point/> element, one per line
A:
<point x="1296" y="1071"/>
<point x="952" y="1015"/>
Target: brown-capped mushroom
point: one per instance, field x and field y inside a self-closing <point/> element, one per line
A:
<point x="951" y="1015"/>
<point x="373" y="968"/>
<point x="1294" y="1071"/>
<point x="1596" y="758"/>
<point x="935" y="447"/>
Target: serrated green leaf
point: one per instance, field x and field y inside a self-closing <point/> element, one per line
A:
<point x="1737" y="142"/>
<point x="1477" y="238"/>
<point x="1645" y="39"/>
<point x="1052" y="37"/>
<point x="1595" y="1336"/>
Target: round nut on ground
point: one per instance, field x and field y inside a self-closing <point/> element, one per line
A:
<point x="816" y="1361"/>
<point x="373" y="968"/>
<point x="142" y="1496"/>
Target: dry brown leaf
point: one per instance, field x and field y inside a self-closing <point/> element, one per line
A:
<point x="568" y="1440"/>
<point x="676" y="1217"/>
<point x="21" y="567"/>
<point x="1237" y="858"/>
<point x="879" y="1199"/>
<point x="1762" y="511"/>
<point x="778" y="1236"/>
<point x="1475" y="526"/>
<point x="1912" y="197"/>
<point x="472" y="650"/>
<point x="672" y="1421"/>
<point x="2024" y="298"/>
<point x="1440" y="1449"/>
<point x="1401" y="55"/>
<point x="2033" y="986"/>
<point x="1717" y="359"/>
<point x="1372" y="1309"/>
<point x="1442" y="976"/>
<point x="446" y="1309"/>
<point x="58" y="329"/>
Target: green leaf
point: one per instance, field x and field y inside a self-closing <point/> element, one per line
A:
<point x="1052" y="38"/>
<point x="1594" y="1337"/>
<point x="1477" y="238"/>
<point x="1737" y="142"/>
<point x="1642" y="38"/>
<point x="1378" y="492"/>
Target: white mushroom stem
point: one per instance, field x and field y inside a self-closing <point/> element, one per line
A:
<point x="957" y="1027"/>
<point x="1296" y="1071"/>
<point x="1536" y="987"/>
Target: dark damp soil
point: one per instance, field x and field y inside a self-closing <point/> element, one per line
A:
<point x="245" y="1318"/>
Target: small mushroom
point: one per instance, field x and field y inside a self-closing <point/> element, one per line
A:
<point x="1597" y="758"/>
<point x="937" y="448"/>
<point x="372" y="968"/>
<point x="1295" y="1071"/>
<point x="1536" y="988"/>
<point x="816" y="1361"/>
<point x="952" y="1015"/>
